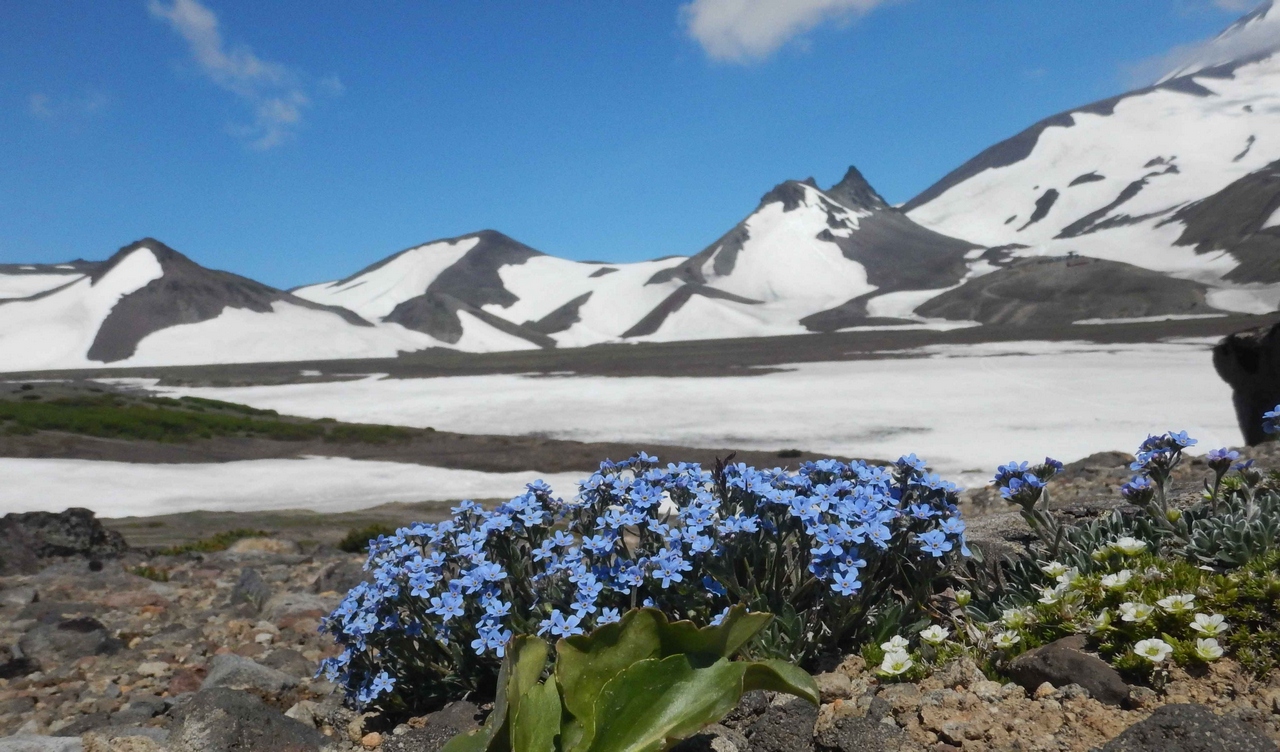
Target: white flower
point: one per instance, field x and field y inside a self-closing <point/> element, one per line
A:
<point x="1101" y="623"/>
<point x="1118" y="580"/>
<point x="1208" y="649"/>
<point x="1153" y="650"/>
<point x="1006" y="640"/>
<point x="1053" y="568"/>
<point x="935" y="634"/>
<point x="963" y="597"/>
<point x="1177" y="604"/>
<point x="1209" y="624"/>
<point x="1129" y="546"/>
<point x="1069" y="578"/>
<point x="895" y="662"/>
<point x="1016" y="618"/>
<point x="1135" y="612"/>
<point x="895" y="644"/>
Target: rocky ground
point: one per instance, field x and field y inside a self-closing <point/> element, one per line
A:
<point x="217" y="651"/>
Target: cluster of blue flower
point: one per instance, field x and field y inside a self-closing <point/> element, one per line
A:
<point x="446" y="598"/>
<point x="1023" y="485"/>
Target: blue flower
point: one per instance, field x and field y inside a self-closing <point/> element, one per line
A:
<point x="935" y="543"/>
<point x="561" y="626"/>
<point x="382" y="683"/>
<point x="608" y="616"/>
<point x="845" y="583"/>
<point x="719" y="618"/>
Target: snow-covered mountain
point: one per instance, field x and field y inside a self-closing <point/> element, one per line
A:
<point x="1162" y="202"/>
<point x="804" y="260"/>
<point x="150" y="305"/>
<point x="1181" y="178"/>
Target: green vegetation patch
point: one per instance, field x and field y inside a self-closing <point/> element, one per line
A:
<point x="357" y="539"/>
<point x="217" y="542"/>
<point x="166" y="419"/>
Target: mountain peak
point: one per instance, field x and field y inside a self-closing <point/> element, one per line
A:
<point x="1254" y="36"/>
<point x="854" y="192"/>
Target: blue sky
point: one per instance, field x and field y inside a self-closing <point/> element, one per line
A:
<point x="298" y="141"/>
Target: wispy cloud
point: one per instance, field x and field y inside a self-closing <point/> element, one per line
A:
<point x="742" y="31"/>
<point x="46" y="107"/>
<point x="277" y="94"/>
<point x="1258" y="37"/>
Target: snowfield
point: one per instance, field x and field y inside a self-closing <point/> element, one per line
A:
<point x="966" y="408"/>
<point x="320" y="484"/>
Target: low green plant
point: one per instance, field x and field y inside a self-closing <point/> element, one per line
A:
<point x="1150" y="587"/>
<point x="150" y="573"/>
<point x="216" y="542"/>
<point x="638" y="685"/>
<point x="357" y="539"/>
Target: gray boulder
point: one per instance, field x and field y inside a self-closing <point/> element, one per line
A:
<point x="714" y="738"/>
<point x="1189" y="728"/>
<point x="237" y="672"/>
<point x="225" y="720"/>
<point x="340" y="577"/>
<point x="69" y="640"/>
<point x="251" y="589"/>
<point x="1061" y="663"/>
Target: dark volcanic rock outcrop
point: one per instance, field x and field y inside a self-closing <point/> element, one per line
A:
<point x="26" y="539"/>
<point x="1250" y="362"/>
<point x="1061" y="290"/>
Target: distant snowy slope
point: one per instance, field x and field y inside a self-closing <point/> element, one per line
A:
<point x="1177" y="178"/>
<point x="150" y="305"/>
<point x="25" y="280"/>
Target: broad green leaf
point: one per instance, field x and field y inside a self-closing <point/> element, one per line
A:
<point x="657" y="701"/>
<point x="537" y="721"/>
<point x="723" y="641"/>
<point x="521" y="667"/>
<point x="571" y="732"/>
<point x="585" y="663"/>
<point x="528" y="656"/>
<point x="780" y="676"/>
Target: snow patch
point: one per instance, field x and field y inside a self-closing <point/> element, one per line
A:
<point x="317" y="484"/>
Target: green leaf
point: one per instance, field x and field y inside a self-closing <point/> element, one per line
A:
<point x="723" y="641"/>
<point x="780" y="676"/>
<point x="526" y="656"/>
<point x="529" y="657"/>
<point x="537" y="721"/>
<point x="657" y="701"/>
<point x="585" y="663"/>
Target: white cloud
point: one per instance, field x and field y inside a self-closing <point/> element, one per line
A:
<point x="277" y="94"/>
<point x="745" y="30"/>
<point x="46" y="107"/>
<point x="1259" y="36"/>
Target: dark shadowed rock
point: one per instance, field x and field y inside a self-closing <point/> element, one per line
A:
<point x="784" y="728"/>
<point x="1189" y="728"/>
<point x="224" y="720"/>
<point x="85" y="723"/>
<point x="26" y="539"/>
<point x="441" y="726"/>
<point x="53" y="645"/>
<point x="1061" y="663"/>
<point x="714" y="738"/>
<point x="1249" y="362"/>
<point x="863" y="734"/>
<point x="290" y="662"/>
